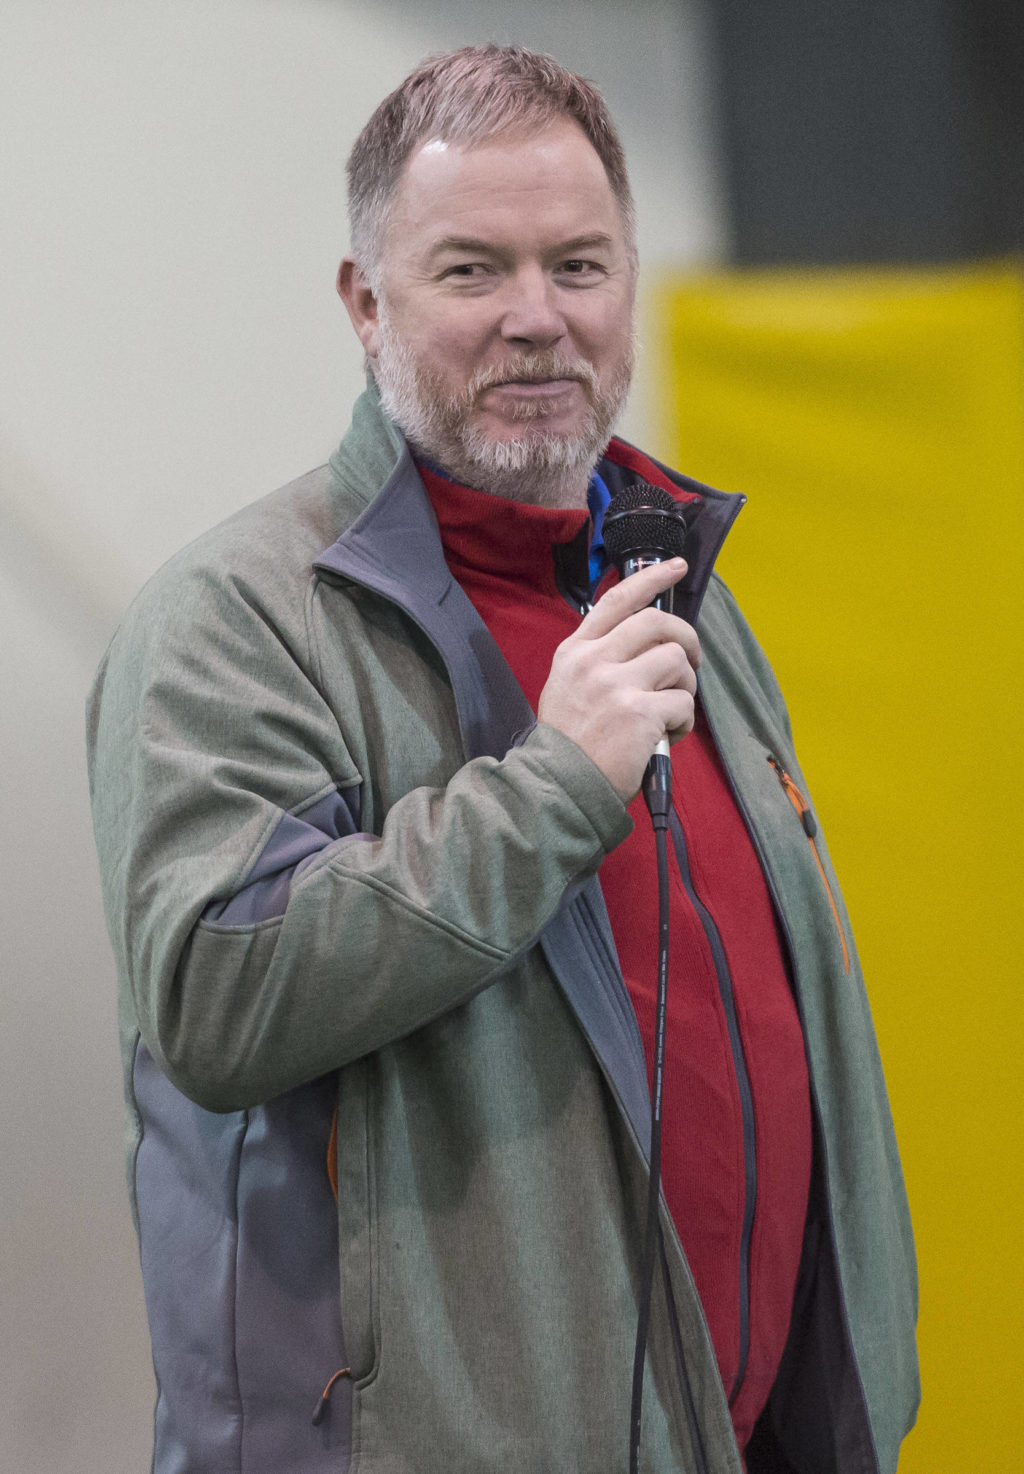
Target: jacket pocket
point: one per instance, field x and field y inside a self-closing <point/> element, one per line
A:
<point x="357" y="1219"/>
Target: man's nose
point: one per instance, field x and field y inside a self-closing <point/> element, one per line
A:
<point x="532" y="312"/>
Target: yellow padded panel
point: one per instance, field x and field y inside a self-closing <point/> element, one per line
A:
<point x="875" y="419"/>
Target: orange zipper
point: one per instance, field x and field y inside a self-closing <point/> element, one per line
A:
<point x="810" y="828"/>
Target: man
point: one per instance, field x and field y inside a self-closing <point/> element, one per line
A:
<point x="380" y="889"/>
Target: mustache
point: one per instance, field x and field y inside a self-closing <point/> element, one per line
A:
<point x="533" y="368"/>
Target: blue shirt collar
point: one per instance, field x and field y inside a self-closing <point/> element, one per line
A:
<point x="598" y="497"/>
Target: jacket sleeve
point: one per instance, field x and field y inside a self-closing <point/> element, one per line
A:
<point x="261" y="940"/>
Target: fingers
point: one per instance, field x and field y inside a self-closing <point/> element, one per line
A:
<point x="663" y="667"/>
<point x="648" y="629"/>
<point x="623" y="619"/>
<point x="675" y="711"/>
<point x="630" y="596"/>
<point x="664" y="687"/>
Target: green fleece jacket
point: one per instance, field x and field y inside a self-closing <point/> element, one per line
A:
<point x="350" y="882"/>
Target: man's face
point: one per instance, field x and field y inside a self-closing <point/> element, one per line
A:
<point x="504" y="328"/>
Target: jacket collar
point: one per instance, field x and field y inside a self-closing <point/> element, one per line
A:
<point x="393" y="547"/>
<point x="393" y="544"/>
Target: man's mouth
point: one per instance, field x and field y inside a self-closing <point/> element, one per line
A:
<point x="535" y="388"/>
<point x="528" y="389"/>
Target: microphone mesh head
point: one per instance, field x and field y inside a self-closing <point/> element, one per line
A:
<point x="643" y="519"/>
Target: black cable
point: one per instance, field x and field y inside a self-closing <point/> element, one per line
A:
<point x="657" y="789"/>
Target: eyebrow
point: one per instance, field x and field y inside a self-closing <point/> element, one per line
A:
<point x="471" y="243"/>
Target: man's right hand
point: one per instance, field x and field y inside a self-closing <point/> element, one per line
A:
<point x="626" y="678"/>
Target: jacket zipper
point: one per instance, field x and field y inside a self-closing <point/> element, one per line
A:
<point x="746" y="1096"/>
<point x="810" y="828"/>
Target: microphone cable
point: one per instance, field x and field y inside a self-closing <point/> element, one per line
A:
<point x="644" y="525"/>
<point x="657" y="790"/>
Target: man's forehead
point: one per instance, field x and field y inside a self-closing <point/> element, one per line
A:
<point x="552" y="167"/>
<point x="517" y="138"/>
<point x="558" y="144"/>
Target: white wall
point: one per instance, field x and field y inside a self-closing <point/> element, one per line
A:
<point x="172" y="217"/>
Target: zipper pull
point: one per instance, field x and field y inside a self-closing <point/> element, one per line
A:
<point x="323" y="1405"/>
<point x="795" y="797"/>
<point x="810" y="828"/>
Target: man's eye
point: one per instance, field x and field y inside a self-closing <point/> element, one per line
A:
<point x="576" y="266"/>
<point x="465" y="270"/>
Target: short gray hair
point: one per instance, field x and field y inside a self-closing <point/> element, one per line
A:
<point x="470" y="96"/>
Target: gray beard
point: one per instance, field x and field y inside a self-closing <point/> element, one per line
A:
<point x="536" y="465"/>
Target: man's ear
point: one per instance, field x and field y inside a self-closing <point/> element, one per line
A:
<point x="360" y="303"/>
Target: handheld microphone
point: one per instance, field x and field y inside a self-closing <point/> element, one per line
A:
<point x="644" y="525"/>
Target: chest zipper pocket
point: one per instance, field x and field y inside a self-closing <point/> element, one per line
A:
<point x="810" y="828"/>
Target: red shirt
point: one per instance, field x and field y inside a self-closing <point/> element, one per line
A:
<point x="501" y="553"/>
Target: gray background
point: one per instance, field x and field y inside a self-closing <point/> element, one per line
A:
<point x="172" y="219"/>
